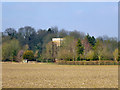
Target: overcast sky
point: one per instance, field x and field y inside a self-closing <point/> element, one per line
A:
<point x="95" y="18"/>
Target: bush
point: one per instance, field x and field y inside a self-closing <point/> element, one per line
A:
<point x="28" y="54"/>
<point x="62" y="62"/>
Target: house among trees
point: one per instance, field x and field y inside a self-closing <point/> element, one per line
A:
<point x="38" y="46"/>
<point x="57" y="41"/>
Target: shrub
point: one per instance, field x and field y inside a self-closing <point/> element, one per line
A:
<point x="62" y="62"/>
<point x="28" y="54"/>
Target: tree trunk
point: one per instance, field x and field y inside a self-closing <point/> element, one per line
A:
<point x="99" y="59"/>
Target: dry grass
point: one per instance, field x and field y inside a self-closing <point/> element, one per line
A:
<point x="59" y="76"/>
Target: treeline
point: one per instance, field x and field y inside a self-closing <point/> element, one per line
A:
<point x="28" y="43"/>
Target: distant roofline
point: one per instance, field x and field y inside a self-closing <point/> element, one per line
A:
<point x="57" y="39"/>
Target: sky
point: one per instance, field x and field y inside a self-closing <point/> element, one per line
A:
<point x="95" y="18"/>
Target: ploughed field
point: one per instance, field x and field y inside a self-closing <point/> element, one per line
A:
<point x="59" y="76"/>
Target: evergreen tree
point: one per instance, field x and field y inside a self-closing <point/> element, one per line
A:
<point x="80" y="47"/>
<point x="91" y="40"/>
